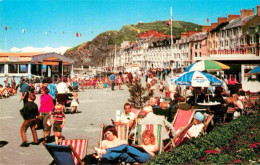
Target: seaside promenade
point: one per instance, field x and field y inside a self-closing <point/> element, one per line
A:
<point x="97" y="106"/>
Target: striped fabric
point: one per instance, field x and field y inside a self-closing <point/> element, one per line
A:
<point x="122" y="132"/>
<point x="156" y="129"/>
<point x="80" y="146"/>
<point x="182" y="118"/>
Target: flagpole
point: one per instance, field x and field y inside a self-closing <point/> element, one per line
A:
<point x="171" y="35"/>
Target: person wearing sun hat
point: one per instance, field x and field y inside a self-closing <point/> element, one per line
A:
<point x="197" y="125"/>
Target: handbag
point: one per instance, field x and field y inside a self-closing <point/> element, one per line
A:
<point x="39" y="123"/>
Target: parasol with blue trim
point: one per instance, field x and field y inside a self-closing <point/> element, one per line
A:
<point x="198" y="79"/>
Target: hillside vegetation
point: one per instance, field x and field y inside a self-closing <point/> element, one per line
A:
<point x="95" y="52"/>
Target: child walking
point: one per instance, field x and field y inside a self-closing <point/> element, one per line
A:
<point x="74" y="103"/>
<point x="58" y="123"/>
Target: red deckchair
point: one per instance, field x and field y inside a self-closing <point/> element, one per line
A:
<point x="182" y="118"/>
<point x="80" y="147"/>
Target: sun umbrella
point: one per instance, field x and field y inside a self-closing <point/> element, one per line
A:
<point x="207" y="65"/>
<point x="256" y="70"/>
<point x="198" y="79"/>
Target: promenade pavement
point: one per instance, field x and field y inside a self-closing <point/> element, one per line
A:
<point x="97" y="106"/>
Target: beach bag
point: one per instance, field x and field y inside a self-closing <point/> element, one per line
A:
<point x="39" y="123"/>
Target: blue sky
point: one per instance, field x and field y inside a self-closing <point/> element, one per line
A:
<point x="53" y="24"/>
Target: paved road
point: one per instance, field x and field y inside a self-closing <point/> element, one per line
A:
<point x="97" y="106"/>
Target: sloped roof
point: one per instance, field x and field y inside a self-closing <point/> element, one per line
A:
<point x="198" y="36"/>
<point x="238" y="22"/>
<point x="16" y="54"/>
<point x="219" y="27"/>
<point x="33" y="57"/>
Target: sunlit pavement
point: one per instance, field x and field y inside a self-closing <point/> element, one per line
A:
<point x="96" y="106"/>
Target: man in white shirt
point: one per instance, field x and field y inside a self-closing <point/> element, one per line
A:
<point x="62" y="87"/>
<point x="127" y="117"/>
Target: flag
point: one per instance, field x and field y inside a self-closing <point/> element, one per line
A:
<point x="196" y="29"/>
<point x="207" y="20"/>
<point x="5" y="27"/>
<point x="138" y="31"/>
<point x="77" y="34"/>
<point x="23" y="30"/>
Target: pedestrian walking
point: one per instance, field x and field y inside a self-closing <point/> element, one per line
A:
<point x="46" y="109"/>
<point x="25" y="91"/>
<point x="112" y="79"/>
<point x="29" y="113"/>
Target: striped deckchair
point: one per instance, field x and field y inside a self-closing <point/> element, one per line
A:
<point x="122" y="133"/>
<point x="156" y="129"/>
<point x="80" y="147"/>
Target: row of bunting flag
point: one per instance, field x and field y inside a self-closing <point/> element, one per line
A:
<point x="77" y="34"/>
<point x="80" y="34"/>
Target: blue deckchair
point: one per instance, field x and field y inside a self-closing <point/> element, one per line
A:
<point x="62" y="154"/>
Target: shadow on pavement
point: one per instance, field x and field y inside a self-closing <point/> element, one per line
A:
<point x="3" y="143"/>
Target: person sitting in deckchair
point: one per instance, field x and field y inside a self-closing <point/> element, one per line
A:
<point x="197" y="125"/>
<point x="131" y="154"/>
<point x="111" y="140"/>
<point x="127" y="117"/>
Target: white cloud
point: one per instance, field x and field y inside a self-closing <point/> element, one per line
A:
<point x="61" y="49"/>
<point x="1" y="50"/>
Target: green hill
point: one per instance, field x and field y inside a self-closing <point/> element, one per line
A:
<point x="101" y="45"/>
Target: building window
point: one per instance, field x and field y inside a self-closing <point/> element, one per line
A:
<point x="196" y="46"/>
<point x="12" y="68"/>
<point x="200" y="54"/>
<point x="2" y="68"/>
<point x="195" y="54"/>
<point x="23" y="68"/>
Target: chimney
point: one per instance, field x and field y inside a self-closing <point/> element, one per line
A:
<point x="246" y="12"/>
<point x="231" y="17"/>
<point x="205" y="28"/>
<point x="213" y="25"/>
<point x="221" y="20"/>
<point x="258" y="10"/>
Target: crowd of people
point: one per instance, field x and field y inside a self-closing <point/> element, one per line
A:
<point x="161" y="109"/>
<point x="166" y="99"/>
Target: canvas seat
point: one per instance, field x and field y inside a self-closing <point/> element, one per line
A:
<point x="71" y="152"/>
<point x="122" y="133"/>
<point x="157" y="130"/>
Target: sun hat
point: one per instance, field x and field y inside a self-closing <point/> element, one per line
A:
<point x="199" y="116"/>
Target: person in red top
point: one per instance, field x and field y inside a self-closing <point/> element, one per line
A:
<point x="58" y="122"/>
<point x="232" y="81"/>
<point x="46" y="108"/>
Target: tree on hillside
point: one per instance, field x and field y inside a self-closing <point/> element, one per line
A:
<point x="137" y="94"/>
